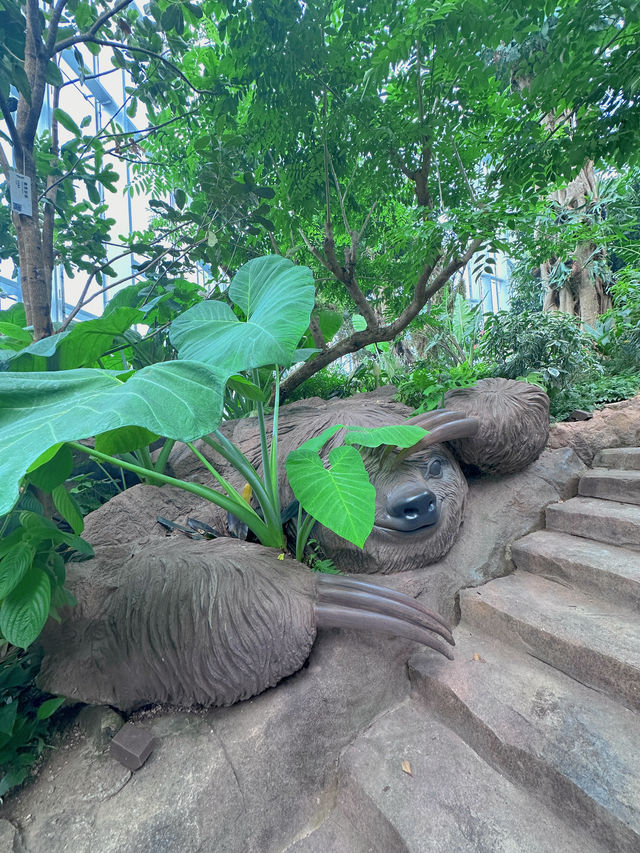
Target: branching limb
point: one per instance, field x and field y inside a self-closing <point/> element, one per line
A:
<point x="58" y="9"/>
<point x="4" y="163"/>
<point x="128" y="48"/>
<point x="88" y="35"/>
<point x="375" y="334"/>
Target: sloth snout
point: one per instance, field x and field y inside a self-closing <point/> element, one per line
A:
<point x="410" y="507"/>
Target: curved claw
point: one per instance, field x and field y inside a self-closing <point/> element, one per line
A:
<point x="429" y="420"/>
<point x="333" y="616"/>
<point x="448" y="429"/>
<point x="349" y="603"/>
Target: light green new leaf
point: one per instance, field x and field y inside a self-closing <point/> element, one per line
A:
<point x="339" y="497"/>
<point x="277" y="298"/>
<point x="14" y="566"/>
<point x="400" y="435"/>
<point x="24" y="611"/>
<point x="178" y="399"/>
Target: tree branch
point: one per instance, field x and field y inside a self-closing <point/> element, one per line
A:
<point x="58" y="9"/>
<point x="145" y="52"/>
<point x="81" y="303"/>
<point x="87" y="36"/>
<point x="11" y="127"/>
<point x="377" y="333"/>
<point x="4" y="163"/>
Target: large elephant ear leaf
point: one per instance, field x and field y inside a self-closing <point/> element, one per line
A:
<point x="276" y="297"/>
<point x="176" y="399"/>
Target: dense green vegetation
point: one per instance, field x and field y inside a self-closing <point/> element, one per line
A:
<point x="372" y="151"/>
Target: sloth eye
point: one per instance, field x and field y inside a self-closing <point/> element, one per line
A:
<point x="435" y="469"/>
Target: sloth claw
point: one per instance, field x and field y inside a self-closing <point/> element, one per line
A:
<point x="349" y="603"/>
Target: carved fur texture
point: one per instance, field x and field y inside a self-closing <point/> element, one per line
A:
<point x="183" y="623"/>
<point x="514" y="424"/>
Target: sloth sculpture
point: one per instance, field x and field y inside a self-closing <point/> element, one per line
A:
<point x="499" y="426"/>
<point x="209" y="623"/>
<point x="212" y="622"/>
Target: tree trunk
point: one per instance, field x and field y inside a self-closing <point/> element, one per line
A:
<point x="582" y="293"/>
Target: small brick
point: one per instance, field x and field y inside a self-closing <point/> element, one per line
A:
<point x="132" y="746"/>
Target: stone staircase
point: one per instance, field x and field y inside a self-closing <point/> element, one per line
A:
<point x="530" y="741"/>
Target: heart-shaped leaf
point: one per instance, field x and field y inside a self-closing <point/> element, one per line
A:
<point x="276" y="297"/>
<point x="339" y="497"/>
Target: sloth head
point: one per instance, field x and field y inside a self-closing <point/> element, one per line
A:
<point x="420" y="501"/>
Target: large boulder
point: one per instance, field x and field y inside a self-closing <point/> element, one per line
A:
<point x="617" y="425"/>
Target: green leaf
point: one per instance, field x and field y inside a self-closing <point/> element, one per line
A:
<point x="402" y="435"/>
<point x="66" y="121"/>
<point x="359" y="323"/>
<point x="14" y="566"/>
<point x="340" y="497"/>
<point x="176" y="399"/>
<point x="15" y="332"/>
<point x="171" y="17"/>
<point x="124" y="439"/>
<point x="54" y="472"/>
<point x="52" y="74"/>
<point x="8" y="713"/>
<point x="180" y="197"/>
<point x="277" y="298"/>
<point x="24" y="611"/>
<point x="68" y="508"/>
<point x="244" y="388"/>
<point x="48" y="708"/>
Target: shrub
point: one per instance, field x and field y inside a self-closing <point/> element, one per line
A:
<point x="590" y="395"/>
<point x="552" y="344"/>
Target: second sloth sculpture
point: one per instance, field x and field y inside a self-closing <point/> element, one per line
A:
<point x="188" y="622"/>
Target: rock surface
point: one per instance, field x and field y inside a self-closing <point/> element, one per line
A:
<point x="617" y="425"/>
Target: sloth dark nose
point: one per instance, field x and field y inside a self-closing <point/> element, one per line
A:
<point x="411" y="507"/>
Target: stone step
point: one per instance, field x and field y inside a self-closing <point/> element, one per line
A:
<point x="451" y="800"/>
<point x="612" y="572"/>
<point x="611" y="485"/>
<point x="577" y="633"/>
<point x="573" y="747"/>
<point x="591" y="518"/>
<point x="619" y="457"/>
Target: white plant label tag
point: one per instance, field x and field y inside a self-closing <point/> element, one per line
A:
<point x="20" y="191"/>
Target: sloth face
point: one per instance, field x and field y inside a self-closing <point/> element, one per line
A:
<point x="419" y="507"/>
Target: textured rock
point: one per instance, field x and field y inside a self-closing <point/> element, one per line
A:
<point x="573" y="631"/>
<point x="559" y="739"/>
<point x="9" y="839"/>
<point x="617" y="425"/>
<point x="611" y="485"/>
<point x="248" y="779"/>
<point x="605" y="521"/>
<point x="619" y="457"/>
<point x="609" y="571"/>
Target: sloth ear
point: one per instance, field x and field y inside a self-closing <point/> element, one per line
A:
<point x="443" y="425"/>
